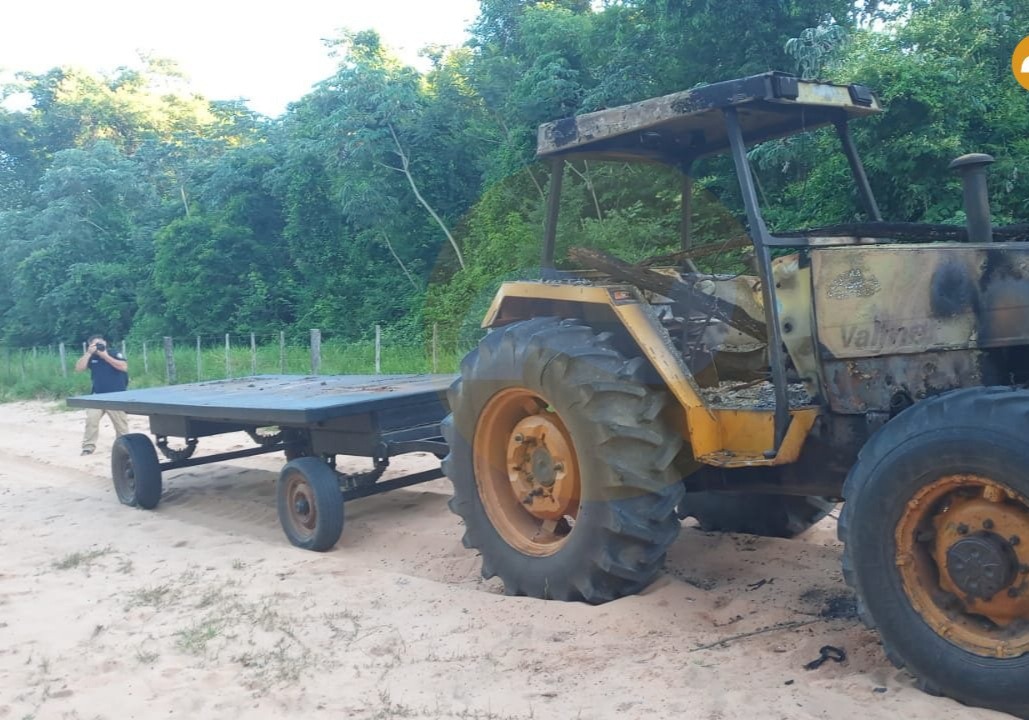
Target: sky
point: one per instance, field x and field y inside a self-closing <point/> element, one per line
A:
<point x="269" y="53"/>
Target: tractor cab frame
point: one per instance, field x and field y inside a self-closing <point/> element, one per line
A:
<point x="678" y="130"/>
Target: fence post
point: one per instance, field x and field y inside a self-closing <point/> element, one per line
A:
<point x="83" y="348"/>
<point x="146" y="362"/>
<point x="200" y="366"/>
<point x="316" y="351"/>
<point x="253" y="354"/>
<point x="64" y="366"/>
<point x="33" y="354"/>
<point x="228" y="363"/>
<point x="169" y="360"/>
<point x="21" y="355"/>
<point x="435" y="340"/>
<point x="282" y="352"/>
<point x="124" y="354"/>
<point x="378" y="349"/>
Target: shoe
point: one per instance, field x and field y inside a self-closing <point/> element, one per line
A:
<point x="87" y="451"/>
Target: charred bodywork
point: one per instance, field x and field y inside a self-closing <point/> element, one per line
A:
<point x="898" y="324"/>
<point x="857" y="362"/>
<point x="866" y="318"/>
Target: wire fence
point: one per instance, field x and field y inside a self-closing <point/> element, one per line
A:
<point x="49" y="370"/>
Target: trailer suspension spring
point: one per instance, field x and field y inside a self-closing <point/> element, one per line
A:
<point x="176" y="454"/>
<point x="351" y="481"/>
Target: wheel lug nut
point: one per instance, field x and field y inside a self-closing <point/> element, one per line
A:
<point x="1014" y="540"/>
<point x="988" y="524"/>
<point x="1024" y="569"/>
<point x="519" y="438"/>
<point x="962" y="529"/>
<point x="561" y="468"/>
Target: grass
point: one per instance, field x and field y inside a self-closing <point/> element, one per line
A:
<point x="194" y="639"/>
<point x="79" y="559"/>
<point x="154" y="597"/>
<point x="36" y="373"/>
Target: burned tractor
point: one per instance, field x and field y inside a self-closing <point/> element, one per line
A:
<point x="881" y="364"/>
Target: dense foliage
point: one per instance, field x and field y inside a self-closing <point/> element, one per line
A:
<point x="130" y="204"/>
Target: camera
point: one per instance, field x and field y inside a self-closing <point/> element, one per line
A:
<point x="101" y="347"/>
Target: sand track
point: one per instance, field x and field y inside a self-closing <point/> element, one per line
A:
<point x="201" y="609"/>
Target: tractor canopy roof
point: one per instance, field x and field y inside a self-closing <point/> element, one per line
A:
<point x="678" y="128"/>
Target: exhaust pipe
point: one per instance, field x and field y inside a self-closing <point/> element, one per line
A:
<point x="977" y="202"/>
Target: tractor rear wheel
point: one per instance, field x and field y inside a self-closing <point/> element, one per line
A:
<point x="562" y="463"/>
<point x="764" y="514"/>
<point x="936" y="544"/>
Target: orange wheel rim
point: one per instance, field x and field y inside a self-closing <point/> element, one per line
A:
<point x="526" y="471"/>
<point x="963" y="557"/>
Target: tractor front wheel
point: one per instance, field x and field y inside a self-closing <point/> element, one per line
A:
<point x="936" y="544"/>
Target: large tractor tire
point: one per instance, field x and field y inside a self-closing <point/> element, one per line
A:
<point x="562" y="463"/>
<point x="764" y="514"/>
<point x="936" y="534"/>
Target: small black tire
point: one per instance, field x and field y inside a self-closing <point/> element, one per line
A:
<point x="310" y="504"/>
<point x="762" y="514"/>
<point x="136" y="471"/>
<point x="623" y="440"/>
<point x="977" y="432"/>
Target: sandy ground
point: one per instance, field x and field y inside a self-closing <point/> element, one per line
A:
<point x="202" y="609"/>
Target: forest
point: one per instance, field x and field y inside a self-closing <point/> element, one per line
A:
<point x="132" y="205"/>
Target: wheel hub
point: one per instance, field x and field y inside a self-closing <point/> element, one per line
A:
<point x="303" y="514"/>
<point x="543" y="467"/>
<point x="964" y="565"/>
<point x="538" y="456"/>
<point x="982" y="565"/>
<point x="979" y="549"/>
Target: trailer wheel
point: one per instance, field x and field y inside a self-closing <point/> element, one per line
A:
<point x="764" y="514"/>
<point x="936" y="544"/>
<point x="136" y="471"/>
<point x="310" y="504"/>
<point x="562" y="463"/>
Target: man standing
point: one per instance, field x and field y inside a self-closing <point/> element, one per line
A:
<point x="109" y="371"/>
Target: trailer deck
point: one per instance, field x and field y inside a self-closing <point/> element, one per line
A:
<point x="311" y="419"/>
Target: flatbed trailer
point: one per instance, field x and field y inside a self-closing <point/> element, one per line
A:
<point x="310" y="419"/>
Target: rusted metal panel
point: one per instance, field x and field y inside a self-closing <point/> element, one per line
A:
<point x="887" y="383"/>
<point x="890" y="300"/>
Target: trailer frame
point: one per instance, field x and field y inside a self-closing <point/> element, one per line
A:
<point x="314" y="417"/>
